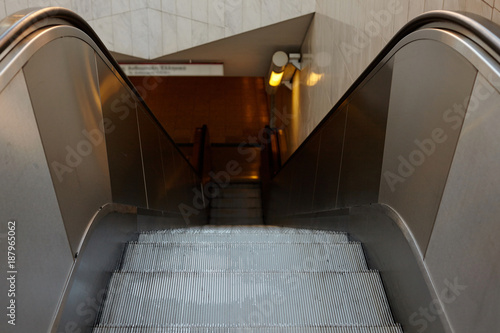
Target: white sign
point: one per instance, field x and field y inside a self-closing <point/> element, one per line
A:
<point x="173" y="69"/>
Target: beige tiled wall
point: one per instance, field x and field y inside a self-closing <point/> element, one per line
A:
<point x="344" y="38"/>
<point x="152" y="28"/>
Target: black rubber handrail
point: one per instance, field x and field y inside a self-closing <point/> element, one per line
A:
<point x="480" y="29"/>
<point x="16" y="26"/>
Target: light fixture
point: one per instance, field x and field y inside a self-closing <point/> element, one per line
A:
<point x="275" y="79"/>
<point x="282" y="68"/>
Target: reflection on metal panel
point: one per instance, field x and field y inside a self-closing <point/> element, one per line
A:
<point x="302" y="190"/>
<point x="99" y="258"/>
<point x="364" y="141"/>
<point x="330" y="155"/>
<point x="67" y="106"/>
<point x="122" y="139"/>
<point x="422" y="132"/>
<point x="279" y="196"/>
<point x="467" y="221"/>
<point x="42" y="250"/>
<point x="168" y="167"/>
<point x="152" y="160"/>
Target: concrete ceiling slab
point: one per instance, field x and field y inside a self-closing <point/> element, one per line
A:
<point x="245" y="54"/>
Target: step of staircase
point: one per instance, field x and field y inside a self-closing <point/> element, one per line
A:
<point x="244" y="257"/>
<point x="228" y="299"/>
<point x="245" y="279"/>
<point x="236" y="203"/>
<point x="242" y="234"/>
<point x="235" y="220"/>
<point x="261" y="329"/>
<point x="238" y="192"/>
<point x="236" y="213"/>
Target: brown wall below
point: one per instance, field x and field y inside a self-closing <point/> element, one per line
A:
<point x="233" y="108"/>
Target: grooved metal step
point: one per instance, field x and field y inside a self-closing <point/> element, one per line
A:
<point x="244" y="257"/>
<point x="231" y="192"/>
<point x="236" y="203"/>
<point x="281" y="329"/>
<point x="245" y="279"/>
<point x="231" y="300"/>
<point x="235" y="220"/>
<point x="241" y="234"/>
<point x="243" y="185"/>
<point x="236" y="213"/>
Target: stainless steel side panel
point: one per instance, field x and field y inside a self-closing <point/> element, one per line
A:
<point x="464" y="247"/>
<point x="279" y="196"/>
<point x="329" y="159"/>
<point x="179" y="178"/>
<point x="302" y="189"/>
<point x="63" y="86"/>
<point x="364" y="141"/>
<point x="99" y="259"/>
<point x="43" y="253"/>
<point x="122" y="139"/>
<point x="152" y="161"/>
<point x="421" y="133"/>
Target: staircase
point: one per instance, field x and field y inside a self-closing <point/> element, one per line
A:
<point x="245" y="279"/>
<point x="237" y="204"/>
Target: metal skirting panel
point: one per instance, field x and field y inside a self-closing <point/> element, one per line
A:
<point x="422" y="132"/>
<point x="463" y="253"/>
<point x="93" y="269"/>
<point x="304" y="174"/>
<point x="122" y="139"/>
<point x="243" y="257"/>
<point x="364" y="140"/>
<point x="152" y="161"/>
<point x="64" y="90"/>
<point x="340" y="165"/>
<point x="329" y="161"/>
<point x="171" y="171"/>
<point x="43" y="257"/>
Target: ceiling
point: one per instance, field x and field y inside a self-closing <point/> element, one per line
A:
<point x="245" y="54"/>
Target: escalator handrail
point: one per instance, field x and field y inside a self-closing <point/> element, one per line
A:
<point x="15" y="27"/>
<point x="479" y="29"/>
<point x="22" y="22"/>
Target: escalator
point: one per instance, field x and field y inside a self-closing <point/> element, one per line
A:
<point x="382" y="221"/>
<point x="245" y="279"/>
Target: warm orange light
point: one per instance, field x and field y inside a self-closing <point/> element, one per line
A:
<point x="314" y="78"/>
<point x="275" y="79"/>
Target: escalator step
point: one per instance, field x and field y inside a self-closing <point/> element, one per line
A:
<point x="236" y="221"/>
<point x="236" y="213"/>
<point x="236" y="203"/>
<point x="243" y="234"/>
<point x="232" y="192"/>
<point x="280" y="329"/>
<point x="246" y="300"/>
<point x="244" y="257"/>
